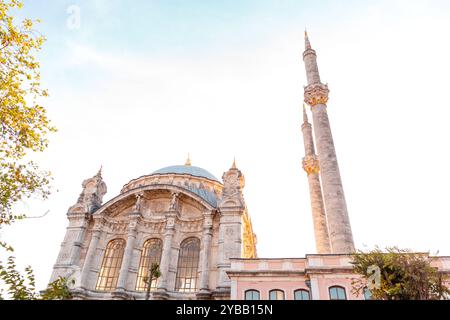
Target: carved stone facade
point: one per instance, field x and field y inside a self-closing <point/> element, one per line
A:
<point x="171" y="205"/>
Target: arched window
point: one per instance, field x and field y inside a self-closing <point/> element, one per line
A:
<point x="252" y="295"/>
<point x="301" y="294"/>
<point x="112" y="260"/>
<point x="276" y="295"/>
<point x="367" y="294"/>
<point x="187" y="273"/>
<point x="337" y="293"/>
<point x="151" y="253"/>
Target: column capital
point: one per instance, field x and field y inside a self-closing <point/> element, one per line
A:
<point x="311" y="164"/>
<point x="316" y="93"/>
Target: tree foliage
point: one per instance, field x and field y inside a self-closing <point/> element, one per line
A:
<point x="24" y="123"/>
<point x="155" y="273"/>
<point x="404" y="275"/>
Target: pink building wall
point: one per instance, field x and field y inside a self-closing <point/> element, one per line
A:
<point x="289" y="275"/>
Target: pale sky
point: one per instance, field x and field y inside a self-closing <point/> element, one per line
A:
<point x="141" y="83"/>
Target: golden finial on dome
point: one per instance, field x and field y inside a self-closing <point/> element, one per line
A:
<point x="188" y="161"/>
<point x="234" y="164"/>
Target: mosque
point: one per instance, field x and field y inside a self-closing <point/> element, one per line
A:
<point x="199" y="231"/>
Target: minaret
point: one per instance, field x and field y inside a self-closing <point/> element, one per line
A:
<point x="311" y="166"/>
<point x="316" y="96"/>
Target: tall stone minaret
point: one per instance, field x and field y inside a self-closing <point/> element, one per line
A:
<point x="316" y="96"/>
<point x="311" y="166"/>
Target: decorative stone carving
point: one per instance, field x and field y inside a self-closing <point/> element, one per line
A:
<point x="174" y="202"/>
<point x="316" y="93"/>
<point x="233" y="183"/>
<point x="311" y="164"/>
<point x="248" y="239"/>
<point x="159" y="206"/>
<point x="91" y="197"/>
<point x="137" y="206"/>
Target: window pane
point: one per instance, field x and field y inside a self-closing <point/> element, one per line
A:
<point x="252" y="295"/>
<point x="337" y="293"/>
<point x="301" y="295"/>
<point x="187" y="272"/>
<point x="276" y="295"/>
<point x="110" y="269"/>
<point x="367" y="294"/>
<point x="151" y="253"/>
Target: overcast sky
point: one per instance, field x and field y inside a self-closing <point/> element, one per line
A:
<point x="141" y="83"/>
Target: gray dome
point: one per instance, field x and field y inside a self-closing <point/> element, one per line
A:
<point x="190" y="170"/>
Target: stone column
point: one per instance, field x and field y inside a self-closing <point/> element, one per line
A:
<point x="230" y="243"/>
<point x="166" y="252"/>
<point x="90" y="256"/>
<point x="128" y="254"/>
<point x="205" y="253"/>
<point x="231" y="209"/>
<point x="316" y="95"/>
<point x="311" y="166"/>
<point x="68" y="260"/>
<point x="333" y="192"/>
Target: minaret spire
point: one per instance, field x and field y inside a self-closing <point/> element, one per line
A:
<point x="316" y="96"/>
<point x="311" y="167"/>
<point x="234" y="164"/>
<point x="305" y="116"/>
<point x="307" y="43"/>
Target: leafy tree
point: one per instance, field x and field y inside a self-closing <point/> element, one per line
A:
<point x="24" y="127"/>
<point x="24" y="122"/>
<point x="398" y="274"/>
<point x="155" y="273"/>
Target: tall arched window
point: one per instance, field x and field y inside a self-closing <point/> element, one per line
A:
<point x="151" y="253"/>
<point x="301" y="294"/>
<point x="276" y="295"/>
<point x="252" y="295"/>
<point x="337" y="293"/>
<point x="187" y="273"/>
<point x="112" y="260"/>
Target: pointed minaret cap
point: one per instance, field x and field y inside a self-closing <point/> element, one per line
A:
<point x="188" y="161"/>
<point x="234" y="164"/>
<point x="99" y="173"/>
<point x="305" y="115"/>
<point x="307" y="43"/>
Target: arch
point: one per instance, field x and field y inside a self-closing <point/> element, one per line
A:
<point x="276" y="294"/>
<point x="151" y="253"/>
<point x="337" y="293"/>
<point x="110" y="269"/>
<point x="302" y="294"/>
<point x="187" y="268"/>
<point x="171" y="188"/>
<point x="252" y="294"/>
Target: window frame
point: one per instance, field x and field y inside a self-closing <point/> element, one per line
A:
<point x="302" y="291"/>
<point x="111" y="265"/>
<point x="189" y="266"/>
<point x="337" y="287"/>
<point x="367" y="297"/>
<point x="277" y="291"/>
<point x="145" y="261"/>
<point x="253" y="291"/>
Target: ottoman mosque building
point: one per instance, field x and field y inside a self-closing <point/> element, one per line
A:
<point x="199" y="231"/>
